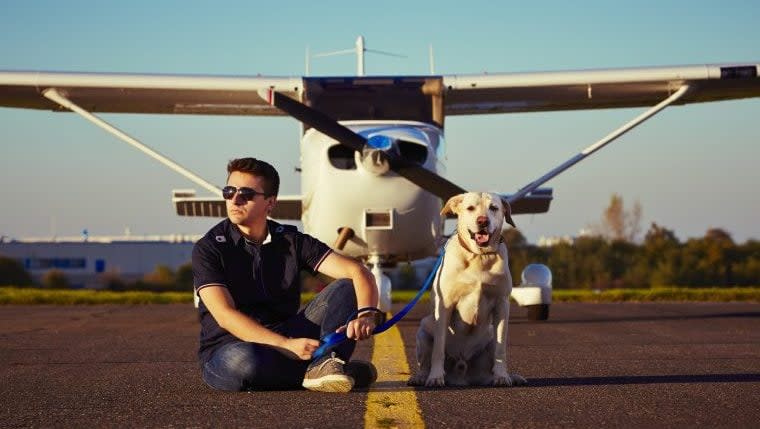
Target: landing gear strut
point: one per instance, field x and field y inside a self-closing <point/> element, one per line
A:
<point x="383" y="283"/>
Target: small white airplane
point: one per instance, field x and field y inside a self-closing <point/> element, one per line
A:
<point x="371" y="145"/>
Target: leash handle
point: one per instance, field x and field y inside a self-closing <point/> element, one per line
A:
<point x="333" y="339"/>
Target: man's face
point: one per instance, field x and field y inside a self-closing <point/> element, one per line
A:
<point x="241" y="211"/>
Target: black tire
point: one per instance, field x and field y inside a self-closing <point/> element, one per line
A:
<point x="538" y="312"/>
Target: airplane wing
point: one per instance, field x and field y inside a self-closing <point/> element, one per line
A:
<point x="462" y="94"/>
<point x="146" y="93"/>
<point x="288" y="207"/>
<point x="596" y="89"/>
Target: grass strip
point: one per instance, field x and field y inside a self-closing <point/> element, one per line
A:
<point x="30" y="296"/>
<point x="713" y="294"/>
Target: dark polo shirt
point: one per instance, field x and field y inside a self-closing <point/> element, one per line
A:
<point x="264" y="280"/>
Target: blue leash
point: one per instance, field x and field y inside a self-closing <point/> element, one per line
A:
<point x="333" y="339"/>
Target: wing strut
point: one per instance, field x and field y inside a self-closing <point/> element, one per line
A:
<point x="598" y="145"/>
<point x="53" y="94"/>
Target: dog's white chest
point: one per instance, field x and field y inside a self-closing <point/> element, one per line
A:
<point x="474" y="308"/>
<point x="474" y="293"/>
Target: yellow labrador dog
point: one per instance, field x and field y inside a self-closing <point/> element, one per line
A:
<point x="464" y="341"/>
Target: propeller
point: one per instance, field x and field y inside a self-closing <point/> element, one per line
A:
<point x="412" y="171"/>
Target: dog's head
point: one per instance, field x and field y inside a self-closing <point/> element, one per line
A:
<point x="480" y="218"/>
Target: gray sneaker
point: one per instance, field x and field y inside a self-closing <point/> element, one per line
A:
<point x="326" y="375"/>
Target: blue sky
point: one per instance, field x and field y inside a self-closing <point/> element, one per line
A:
<point x="691" y="167"/>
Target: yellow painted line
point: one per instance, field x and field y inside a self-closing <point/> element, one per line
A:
<point x="390" y="402"/>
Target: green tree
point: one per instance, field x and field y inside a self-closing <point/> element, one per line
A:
<point x="12" y="273"/>
<point x="707" y="261"/>
<point x="720" y="253"/>
<point x="514" y="238"/>
<point x="55" y="279"/>
<point x="518" y="255"/>
<point x="522" y="253"/>
<point x="662" y="254"/>
<point x="591" y="262"/>
<point x="161" y="275"/>
<point x="625" y="265"/>
<point x="746" y="266"/>
<point x="184" y="276"/>
<point x="111" y="280"/>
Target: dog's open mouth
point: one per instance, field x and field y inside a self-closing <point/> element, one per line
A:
<point x="481" y="238"/>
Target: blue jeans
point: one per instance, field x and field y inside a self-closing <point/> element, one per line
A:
<point x="249" y="366"/>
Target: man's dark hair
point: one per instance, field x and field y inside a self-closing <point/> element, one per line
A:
<point x="258" y="168"/>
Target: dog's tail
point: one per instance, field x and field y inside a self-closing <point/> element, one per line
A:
<point x="460" y="367"/>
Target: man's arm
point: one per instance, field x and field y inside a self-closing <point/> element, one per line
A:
<point x="222" y="307"/>
<point x="338" y="266"/>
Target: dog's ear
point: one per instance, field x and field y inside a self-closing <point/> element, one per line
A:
<point x="452" y="205"/>
<point x="507" y="212"/>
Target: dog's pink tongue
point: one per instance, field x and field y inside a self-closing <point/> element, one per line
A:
<point x="481" y="238"/>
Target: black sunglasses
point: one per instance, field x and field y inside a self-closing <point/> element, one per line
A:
<point x="247" y="194"/>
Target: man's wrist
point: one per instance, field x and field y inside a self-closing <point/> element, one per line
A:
<point x="281" y="341"/>
<point x="376" y="315"/>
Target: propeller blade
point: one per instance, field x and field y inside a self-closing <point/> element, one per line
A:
<point x="413" y="172"/>
<point x="316" y="119"/>
<point x="425" y="178"/>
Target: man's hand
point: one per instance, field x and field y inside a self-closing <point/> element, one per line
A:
<point x="299" y="348"/>
<point x="360" y="328"/>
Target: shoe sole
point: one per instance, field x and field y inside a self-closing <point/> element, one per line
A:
<point x="330" y="383"/>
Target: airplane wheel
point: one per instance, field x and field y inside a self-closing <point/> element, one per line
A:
<point x="538" y="312"/>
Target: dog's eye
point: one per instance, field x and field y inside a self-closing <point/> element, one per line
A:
<point x="493" y="208"/>
<point x="470" y="208"/>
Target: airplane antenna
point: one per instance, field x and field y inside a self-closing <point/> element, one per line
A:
<point x="360" y="55"/>
<point x="359" y="49"/>
<point x="308" y="61"/>
<point x="432" y="62"/>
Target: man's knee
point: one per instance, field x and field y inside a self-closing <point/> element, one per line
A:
<point x="340" y="295"/>
<point x="341" y="290"/>
<point x="233" y="367"/>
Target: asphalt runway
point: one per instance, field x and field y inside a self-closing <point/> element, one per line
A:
<point x="608" y="365"/>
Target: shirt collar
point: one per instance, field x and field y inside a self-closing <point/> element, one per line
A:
<point x="237" y="236"/>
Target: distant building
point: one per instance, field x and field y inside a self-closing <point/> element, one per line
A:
<point x="553" y="241"/>
<point x="86" y="260"/>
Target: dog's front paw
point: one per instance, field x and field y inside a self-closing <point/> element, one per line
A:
<point x="417" y="379"/>
<point x="436" y="379"/>
<point x="509" y="380"/>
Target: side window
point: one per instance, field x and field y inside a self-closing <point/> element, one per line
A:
<point x="414" y="152"/>
<point x="341" y="157"/>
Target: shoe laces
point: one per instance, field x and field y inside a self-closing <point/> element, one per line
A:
<point x="332" y="360"/>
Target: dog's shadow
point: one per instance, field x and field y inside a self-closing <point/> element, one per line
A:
<point x="399" y="386"/>
<point x="521" y="319"/>
<point x="644" y="379"/>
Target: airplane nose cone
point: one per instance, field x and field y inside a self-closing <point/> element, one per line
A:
<point x="374" y="157"/>
<point x="375" y="162"/>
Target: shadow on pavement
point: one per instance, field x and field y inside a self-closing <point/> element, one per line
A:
<point x="645" y="379"/>
<point x="749" y="315"/>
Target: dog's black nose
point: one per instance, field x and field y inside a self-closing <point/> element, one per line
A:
<point x="482" y="221"/>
